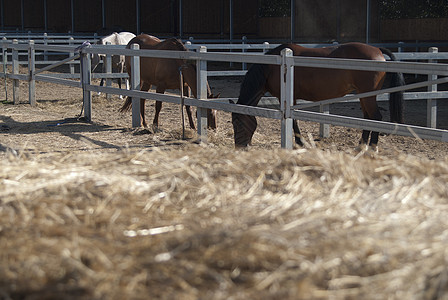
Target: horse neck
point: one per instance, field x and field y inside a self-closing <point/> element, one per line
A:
<point x="189" y="74"/>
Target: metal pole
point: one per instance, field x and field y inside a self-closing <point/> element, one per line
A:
<point x="22" y="13"/>
<point x="103" y="14"/>
<point x="231" y="26"/>
<point x="73" y="15"/>
<point x="181" y="32"/>
<point x="293" y="19"/>
<point x="338" y="22"/>
<point x="368" y="23"/>
<point x="231" y="20"/>
<point x="137" y="10"/>
<point x="3" y="14"/>
<point x="45" y="16"/>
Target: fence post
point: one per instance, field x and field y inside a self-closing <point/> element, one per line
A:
<point x="31" y="71"/>
<point x="108" y="67"/>
<point x="71" y="54"/>
<point x="324" y="129"/>
<point x="45" y="44"/>
<point x="431" y="104"/>
<point x="400" y="47"/>
<point x="265" y="47"/>
<point x="135" y="85"/>
<point x="244" y="42"/>
<point x="15" y="71"/>
<point x="5" y="65"/>
<point x="201" y="78"/>
<point x="86" y="79"/>
<point x="286" y="98"/>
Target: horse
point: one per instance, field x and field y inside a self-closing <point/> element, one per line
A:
<point x="317" y="84"/>
<point x="121" y="38"/>
<point x="164" y="74"/>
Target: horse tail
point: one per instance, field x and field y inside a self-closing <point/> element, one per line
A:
<point x="396" y="100"/>
<point x="126" y="106"/>
<point x="252" y="89"/>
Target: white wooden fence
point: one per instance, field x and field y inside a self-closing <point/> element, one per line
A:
<point x="286" y="113"/>
<point x="432" y="95"/>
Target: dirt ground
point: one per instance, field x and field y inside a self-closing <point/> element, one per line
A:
<point x="53" y="125"/>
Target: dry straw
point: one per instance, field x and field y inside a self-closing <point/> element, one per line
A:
<point x="201" y="223"/>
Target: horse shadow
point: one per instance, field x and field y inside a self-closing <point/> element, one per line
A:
<point x="74" y="128"/>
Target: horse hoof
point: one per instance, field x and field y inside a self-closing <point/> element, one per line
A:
<point x="241" y="147"/>
<point x="156" y="128"/>
<point x="142" y="131"/>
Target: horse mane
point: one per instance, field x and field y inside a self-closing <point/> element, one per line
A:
<point x="253" y="86"/>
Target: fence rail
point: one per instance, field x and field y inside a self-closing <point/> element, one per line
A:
<point x="286" y="112"/>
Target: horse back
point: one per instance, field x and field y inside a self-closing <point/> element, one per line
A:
<point x="158" y="71"/>
<point x="316" y="84"/>
<point x="348" y="50"/>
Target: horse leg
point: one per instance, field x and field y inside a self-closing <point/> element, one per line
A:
<point x="372" y="112"/>
<point x="187" y="93"/>
<point x="211" y="118"/>
<point x="190" y="117"/>
<point x="297" y="135"/>
<point x="145" y="87"/>
<point x="155" y="122"/>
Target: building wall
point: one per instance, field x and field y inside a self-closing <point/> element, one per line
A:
<point x="159" y="17"/>
<point x="119" y="14"/>
<point x="315" y="21"/>
<point x="34" y="15"/>
<point x="414" y="30"/>
<point x="12" y="18"/>
<point x="87" y="15"/>
<point x="58" y="15"/>
<point x="335" y="20"/>
<point x="200" y="17"/>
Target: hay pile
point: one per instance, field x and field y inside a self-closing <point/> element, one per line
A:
<point x="203" y="223"/>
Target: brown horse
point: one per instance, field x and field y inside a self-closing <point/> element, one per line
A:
<point x="164" y="74"/>
<point x="316" y="84"/>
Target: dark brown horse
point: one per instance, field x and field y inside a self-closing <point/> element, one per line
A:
<point x="316" y="84"/>
<point x="164" y="74"/>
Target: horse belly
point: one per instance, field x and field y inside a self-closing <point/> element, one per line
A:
<point x="314" y="84"/>
<point x="160" y="72"/>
